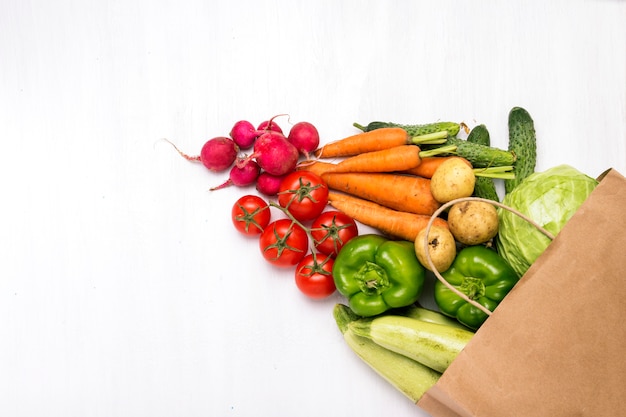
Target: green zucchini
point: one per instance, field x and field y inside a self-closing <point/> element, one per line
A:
<point x="431" y="344"/>
<point x="420" y="313"/>
<point x="523" y="143"/>
<point x="485" y="186"/>
<point x="411" y="378"/>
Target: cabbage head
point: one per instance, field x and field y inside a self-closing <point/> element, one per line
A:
<point x="549" y="198"/>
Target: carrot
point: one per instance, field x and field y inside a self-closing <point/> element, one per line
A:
<point x="391" y="222"/>
<point x="398" y="158"/>
<point x="373" y="140"/>
<point x="397" y="191"/>
<point x="429" y="165"/>
<point x="316" y="167"/>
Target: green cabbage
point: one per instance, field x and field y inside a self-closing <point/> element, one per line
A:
<point x="549" y="198"/>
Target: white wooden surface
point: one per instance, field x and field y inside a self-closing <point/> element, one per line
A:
<point x="124" y="290"/>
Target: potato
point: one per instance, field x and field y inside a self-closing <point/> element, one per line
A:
<point x="453" y="179"/>
<point x="441" y="247"/>
<point x="473" y="222"/>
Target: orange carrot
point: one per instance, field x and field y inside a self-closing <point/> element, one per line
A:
<point x="316" y="167"/>
<point x="398" y="158"/>
<point x="408" y="193"/>
<point x="391" y="222"/>
<point x="429" y="165"/>
<point x="373" y="140"/>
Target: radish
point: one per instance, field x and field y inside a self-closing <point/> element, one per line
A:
<point x="274" y="153"/>
<point x="269" y="125"/>
<point x="217" y="154"/>
<point x="244" y="134"/>
<point x="305" y="137"/>
<point x="241" y="176"/>
<point x="269" y="184"/>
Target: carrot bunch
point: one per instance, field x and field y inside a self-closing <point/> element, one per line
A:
<point x="379" y="179"/>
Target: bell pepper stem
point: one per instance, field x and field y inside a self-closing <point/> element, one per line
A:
<point x="372" y="278"/>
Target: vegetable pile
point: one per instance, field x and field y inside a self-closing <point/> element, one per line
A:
<point x="431" y="198"/>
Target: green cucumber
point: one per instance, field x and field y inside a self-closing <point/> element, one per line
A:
<point x="480" y="156"/>
<point x="485" y="186"/>
<point x="411" y="378"/>
<point x="415" y="130"/>
<point x="523" y="143"/>
<point x="431" y="344"/>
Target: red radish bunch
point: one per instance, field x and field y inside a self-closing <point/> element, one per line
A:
<point x="273" y="155"/>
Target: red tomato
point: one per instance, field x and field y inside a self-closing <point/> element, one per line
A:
<point x="331" y="230"/>
<point x="314" y="278"/>
<point x="284" y="243"/>
<point x="304" y="194"/>
<point x="250" y="215"/>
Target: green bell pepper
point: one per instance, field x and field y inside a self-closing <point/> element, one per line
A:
<point x="481" y="274"/>
<point x="376" y="274"/>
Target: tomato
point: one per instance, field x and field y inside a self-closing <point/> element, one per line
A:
<point x="314" y="277"/>
<point x="284" y="243"/>
<point x="331" y="230"/>
<point x="304" y="194"/>
<point x="250" y="215"/>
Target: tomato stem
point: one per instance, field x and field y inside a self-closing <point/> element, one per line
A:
<point x="296" y="221"/>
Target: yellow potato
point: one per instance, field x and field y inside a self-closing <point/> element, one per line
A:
<point x="441" y="247"/>
<point x="473" y="222"/>
<point x="453" y="179"/>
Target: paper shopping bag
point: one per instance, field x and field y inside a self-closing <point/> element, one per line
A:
<point x="556" y="346"/>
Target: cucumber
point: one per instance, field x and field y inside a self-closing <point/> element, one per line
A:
<point x="415" y="130"/>
<point x="411" y="378"/>
<point x="523" y="143"/>
<point x="481" y="156"/>
<point x="485" y="186"/>
<point x="479" y="134"/>
<point x="431" y="344"/>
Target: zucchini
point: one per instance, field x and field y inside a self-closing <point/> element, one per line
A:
<point x="420" y="313"/>
<point x="431" y="344"/>
<point x="523" y="143"/>
<point x="485" y="186"/>
<point x="415" y="130"/>
<point x="411" y="378"/>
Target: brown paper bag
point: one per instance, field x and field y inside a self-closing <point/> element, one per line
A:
<point x="556" y="346"/>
